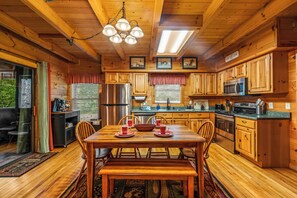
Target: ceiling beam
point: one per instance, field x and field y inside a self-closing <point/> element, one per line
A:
<point x="268" y="12"/>
<point x="25" y="32"/>
<point x="213" y="10"/>
<point x="101" y="15"/>
<point x="178" y="21"/>
<point x="51" y="36"/>
<point x="156" y="22"/>
<point x="41" y="8"/>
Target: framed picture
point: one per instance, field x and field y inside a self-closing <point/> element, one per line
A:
<point x="137" y="62"/>
<point x="189" y="62"/>
<point x="164" y="62"/>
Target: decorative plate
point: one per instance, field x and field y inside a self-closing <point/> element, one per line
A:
<point x="166" y="134"/>
<point x="120" y="135"/>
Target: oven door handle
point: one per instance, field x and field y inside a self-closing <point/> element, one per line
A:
<point x="237" y="87"/>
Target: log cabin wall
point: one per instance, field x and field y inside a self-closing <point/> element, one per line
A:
<point x="58" y="68"/>
<point x="110" y="64"/>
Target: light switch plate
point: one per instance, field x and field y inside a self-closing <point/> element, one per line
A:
<point x="288" y="105"/>
<point x="270" y="104"/>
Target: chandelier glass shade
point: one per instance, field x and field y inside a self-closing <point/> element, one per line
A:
<point x="122" y="29"/>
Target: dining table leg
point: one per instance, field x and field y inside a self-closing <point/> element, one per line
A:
<point x="199" y="164"/>
<point x="90" y="169"/>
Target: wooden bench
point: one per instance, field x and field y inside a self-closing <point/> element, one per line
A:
<point x="148" y="169"/>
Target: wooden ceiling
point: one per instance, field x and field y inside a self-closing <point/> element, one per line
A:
<point x="224" y="23"/>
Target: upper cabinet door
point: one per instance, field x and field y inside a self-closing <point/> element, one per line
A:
<point x="140" y="83"/>
<point x="220" y="86"/>
<point x="260" y="74"/>
<point x="229" y="74"/>
<point x="124" y="78"/>
<point x="197" y="84"/>
<point x="210" y="84"/>
<point x="240" y="71"/>
<point x="111" y="78"/>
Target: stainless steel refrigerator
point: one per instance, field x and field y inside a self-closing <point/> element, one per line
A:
<point x="115" y="103"/>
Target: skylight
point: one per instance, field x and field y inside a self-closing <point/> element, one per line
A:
<point x="172" y="41"/>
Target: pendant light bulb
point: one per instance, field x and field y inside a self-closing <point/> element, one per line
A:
<point x="109" y="30"/>
<point x="116" y="39"/>
<point x="123" y="25"/>
<point x="130" y="40"/>
<point x="137" y="32"/>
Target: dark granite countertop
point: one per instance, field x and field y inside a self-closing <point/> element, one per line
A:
<point x="268" y="115"/>
<point x="172" y="110"/>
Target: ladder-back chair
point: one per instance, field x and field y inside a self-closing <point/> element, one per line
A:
<point x="121" y="151"/>
<point x="206" y="130"/>
<point x="82" y="131"/>
<point x="150" y="151"/>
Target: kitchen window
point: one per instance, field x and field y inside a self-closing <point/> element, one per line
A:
<point x="173" y="92"/>
<point x="85" y="98"/>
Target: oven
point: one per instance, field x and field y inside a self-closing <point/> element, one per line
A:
<point x="225" y="131"/>
<point x="237" y="87"/>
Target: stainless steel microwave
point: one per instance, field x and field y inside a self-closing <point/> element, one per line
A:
<point x="237" y="87"/>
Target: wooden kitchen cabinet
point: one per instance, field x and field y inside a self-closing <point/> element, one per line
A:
<point x="229" y="74"/>
<point x="265" y="142"/>
<point x="197" y="84"/>
<point x="117" y="78"/>
<point x="197" y="119"/>
<point x="140" y="83"/>
<point x="240" y="71"/>
<point x="124" y="78"/>
<point x="268" y="74"/>
<point x="220" y="83"/>
<point x="245" y="144"/>
<point x="260" y="75"/>
<point x="203" y="84"/>
<point x="165" y="115"/>
<point x="210" y="84"/>
<point x="180" y="118"/>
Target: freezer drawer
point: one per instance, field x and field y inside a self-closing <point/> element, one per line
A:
<point x="111" y="115"/>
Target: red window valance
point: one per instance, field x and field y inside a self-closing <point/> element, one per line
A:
<point x="162" y="79"/>
<point x="84" y="78"/>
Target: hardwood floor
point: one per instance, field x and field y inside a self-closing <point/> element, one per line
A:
<point x="240" y="177"/>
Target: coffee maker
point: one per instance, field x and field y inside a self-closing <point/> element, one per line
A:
<point x="58" y="105"/>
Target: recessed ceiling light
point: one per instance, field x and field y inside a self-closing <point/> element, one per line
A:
<point x="172" y="41"/>
<point x="164" y="40"/>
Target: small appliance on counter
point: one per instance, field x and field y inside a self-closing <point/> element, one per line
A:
<point x="260" y="107"/>
<point x="201" y="104"/>
<point x="189" y="106"/>
<point x="145" y="107"/>
<point x="219" y="107"/>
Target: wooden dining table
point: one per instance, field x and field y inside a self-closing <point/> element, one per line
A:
<point x="105" y="138"/>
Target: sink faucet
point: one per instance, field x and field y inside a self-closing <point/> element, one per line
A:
<point x="168" y="102"/>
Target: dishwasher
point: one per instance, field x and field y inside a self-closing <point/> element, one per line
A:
<point x="144" y="116"/>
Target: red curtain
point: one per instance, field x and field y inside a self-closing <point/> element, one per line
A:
<point x="162" y="79"/>
<point x="84" y="78"/>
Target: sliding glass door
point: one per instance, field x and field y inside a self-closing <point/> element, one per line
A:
<point x="16" y="111"/>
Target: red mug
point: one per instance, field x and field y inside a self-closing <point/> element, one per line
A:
<point x="124" y="130"/>
<point x="158" y="122"/>
<point x="163" y="129"/>
<point x="129" y="122"/>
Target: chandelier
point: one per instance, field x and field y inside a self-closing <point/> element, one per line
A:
<point x="122" y="29"/>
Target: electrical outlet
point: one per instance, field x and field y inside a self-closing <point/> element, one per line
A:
<point x="288" y="105"/>
<point x="270" y="104"/>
